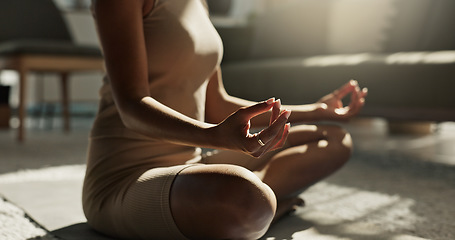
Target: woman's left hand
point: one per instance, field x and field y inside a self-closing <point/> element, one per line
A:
<point x="332" y="104"/>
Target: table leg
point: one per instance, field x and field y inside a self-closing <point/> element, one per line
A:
<point x="65" y="101"/>
<point x="22" y="113"/>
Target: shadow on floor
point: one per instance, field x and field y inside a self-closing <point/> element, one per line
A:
<point x="79" y="231"/>
<point x="286" y="227"/>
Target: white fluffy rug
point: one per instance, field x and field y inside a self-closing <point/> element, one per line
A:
<point x="383" y="193"/>
<point x="15" y="224"/>
<point x="364" y="201"/>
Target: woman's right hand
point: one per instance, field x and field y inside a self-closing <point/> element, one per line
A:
<point x="234" y="132"/>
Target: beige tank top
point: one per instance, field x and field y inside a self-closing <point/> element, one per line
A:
<point x="183" y="49"/>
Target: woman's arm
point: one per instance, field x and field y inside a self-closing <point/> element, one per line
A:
<point x="328" y="108"/>
<point x="120" y="28"/>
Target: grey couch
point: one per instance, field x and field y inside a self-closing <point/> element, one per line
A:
<point x="402" y="50"/>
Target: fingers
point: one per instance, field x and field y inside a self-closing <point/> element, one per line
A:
<point x="364" y="93"/>
<point x="275" y="111"/>
<point x="345" y="89"/>
<point x="354" y="104"/>
<point x="257" y="145"/>
<point x="273" y="135"/>
<point x="281" y="139"/>
<point x="269" y="133"/>
<point x="249" y="112"/>
<point x="357" y="101"/>
<point x="276" y="143"/>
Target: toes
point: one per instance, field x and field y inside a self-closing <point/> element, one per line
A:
<point x="288" y="206"/>
<point x="300" y="202"/>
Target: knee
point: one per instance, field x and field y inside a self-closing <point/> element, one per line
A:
<point x="229" y="203"/>
<point x="251" y="204"/>
<point x="340" y="141"/>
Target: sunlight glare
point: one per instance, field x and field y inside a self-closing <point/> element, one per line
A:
<point x="439" y="57"/>
<point x="336" y="60"/>
<point x="323" y="143"/>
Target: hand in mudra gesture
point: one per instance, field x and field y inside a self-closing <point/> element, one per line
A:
<point x="333" y="105"/>
<point x="235" y="129"/>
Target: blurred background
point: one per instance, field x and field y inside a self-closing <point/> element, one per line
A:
<point x="298" y="50"/>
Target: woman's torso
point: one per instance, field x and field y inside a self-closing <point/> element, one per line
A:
<point x="183" y="50"/>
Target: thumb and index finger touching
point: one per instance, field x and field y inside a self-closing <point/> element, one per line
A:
<point x="346" y="89"/>
<point x="274" y="133"/>
<point x="357" y="98"/>
<point x="248" y="113"/>
<point x="350" y="87"/>
<point x="277" y="122"/>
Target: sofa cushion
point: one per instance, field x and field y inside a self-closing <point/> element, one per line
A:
<point x="47" y="47"/>
<point x="415" y="82"/>
<point x="21" y="19"/>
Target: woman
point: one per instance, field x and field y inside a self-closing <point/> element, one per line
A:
<point x="162" y="100"/>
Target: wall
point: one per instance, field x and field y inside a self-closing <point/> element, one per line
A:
<point x="346" y="17"/>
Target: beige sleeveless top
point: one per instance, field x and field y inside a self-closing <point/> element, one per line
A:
<point x="183" y="49"/>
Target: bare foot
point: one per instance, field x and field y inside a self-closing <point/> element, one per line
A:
<point x="287" y="206"/>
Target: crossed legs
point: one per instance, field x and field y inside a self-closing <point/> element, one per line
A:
<point x="221" y="202"/>
<point x="225" y="201"/>
<point x="311" y="153"/>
